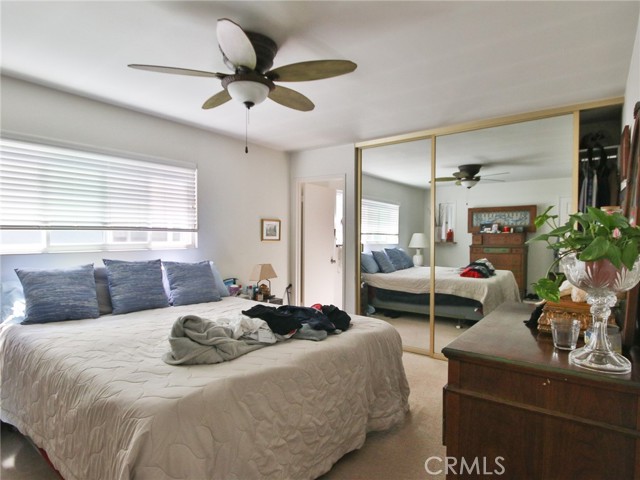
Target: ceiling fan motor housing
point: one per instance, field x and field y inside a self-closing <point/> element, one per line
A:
<point x="468" y="171"/>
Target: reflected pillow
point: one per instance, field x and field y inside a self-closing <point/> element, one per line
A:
<point x="191" y="283"/>
<point x="383" y="262"/>
<point x="399" y="258"/>
<point x="368" y="263"/>
<point x="135" y="286"/>
<point x="58" y="294"/>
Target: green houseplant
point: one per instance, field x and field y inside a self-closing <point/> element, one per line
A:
<point x="592" y="235"/>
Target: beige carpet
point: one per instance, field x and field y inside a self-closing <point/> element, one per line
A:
<point x="414" y="329"/>
<point x="398" y="454"/>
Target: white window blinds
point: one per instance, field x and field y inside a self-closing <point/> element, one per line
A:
<point x="47" y="187"/>
<point x="380" y="221"/>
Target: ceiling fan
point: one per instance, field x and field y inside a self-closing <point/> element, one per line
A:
<point x="250" y="55"/>
<point x="467" y="176"/>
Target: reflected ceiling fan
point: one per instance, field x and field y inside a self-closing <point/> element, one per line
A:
<point x="467" y="176"/>
<point x="250" y="55"/>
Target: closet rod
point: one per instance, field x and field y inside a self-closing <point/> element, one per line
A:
<point x="597" y="158"/>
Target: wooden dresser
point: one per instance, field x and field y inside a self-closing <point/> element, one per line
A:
<point x="514" y="403"/>
<point x="506" y="251"/>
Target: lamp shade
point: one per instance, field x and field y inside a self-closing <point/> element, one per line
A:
<point x="262" y="271"/>
<point x="419" y="240"/>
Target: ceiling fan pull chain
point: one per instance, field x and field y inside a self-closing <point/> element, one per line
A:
<point x="246" y="132"/>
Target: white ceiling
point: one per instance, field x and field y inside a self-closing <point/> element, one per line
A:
<point x="530" y="150"/>
<point x="420" y="64"/>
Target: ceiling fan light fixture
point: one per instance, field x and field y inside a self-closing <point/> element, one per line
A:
<point x="248" y="92"/>
<point x="469" y="182"/>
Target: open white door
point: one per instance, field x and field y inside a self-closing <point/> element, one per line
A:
<point x="321" y="269"/>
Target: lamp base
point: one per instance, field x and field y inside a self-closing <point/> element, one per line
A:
<point x="418" y="260"/>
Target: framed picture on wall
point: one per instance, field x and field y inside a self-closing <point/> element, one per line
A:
<point x="270" y="230"/>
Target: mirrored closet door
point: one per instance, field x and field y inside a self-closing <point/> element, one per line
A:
<point x="505" y="174"/>
<point x="394" y="241"/>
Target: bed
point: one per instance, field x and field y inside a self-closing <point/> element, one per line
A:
<point x="95" y="395"/>
<point x="456" y="297"/>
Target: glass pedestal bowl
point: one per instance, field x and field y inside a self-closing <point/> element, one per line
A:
<point x="602" y="281"/>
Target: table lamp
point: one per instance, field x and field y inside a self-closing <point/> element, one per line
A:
<point x="261" y="272"/>
<point x="418" y="241"/>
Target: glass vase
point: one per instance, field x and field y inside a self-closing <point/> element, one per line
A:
<point x="602" y="281"/>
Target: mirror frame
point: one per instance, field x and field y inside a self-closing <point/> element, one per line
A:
<point x="433" y="134"/>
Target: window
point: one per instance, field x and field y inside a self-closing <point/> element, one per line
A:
<point x="62" y="199"/>
<point x="380" y="222"/>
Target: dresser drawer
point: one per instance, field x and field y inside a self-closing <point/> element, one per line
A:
<point x="551" y="392"/>
<point x="499" y="260"/>
<point x="497" y="250"/>
<point x="489" y="239"/>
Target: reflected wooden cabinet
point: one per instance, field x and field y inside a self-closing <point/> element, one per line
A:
<point x="515" y="401"/>
<point x="506" y="251"/>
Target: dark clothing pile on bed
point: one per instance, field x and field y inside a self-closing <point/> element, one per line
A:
<point x="479" y="269"/>
<point x="282" y="320"/>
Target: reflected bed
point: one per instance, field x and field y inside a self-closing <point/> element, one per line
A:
<point x="458" y="297"/>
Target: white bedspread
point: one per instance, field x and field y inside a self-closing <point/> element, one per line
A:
<point x="491" y="292"/>
<point x="96" y="395"/>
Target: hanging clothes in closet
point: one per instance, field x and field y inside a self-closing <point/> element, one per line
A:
<point x="598" y="175"/>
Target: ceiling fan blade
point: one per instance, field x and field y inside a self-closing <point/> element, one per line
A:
<point x="235" y="44"/>
<point x="177" y="71"/>
<point x="494" y="174"/>
<point x="217" y="100"/>
<point x="290" y="98"/>
<point x="312" y="70"/>
<point x="445" y="179"/>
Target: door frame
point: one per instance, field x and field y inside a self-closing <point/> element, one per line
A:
<point x="298" y="261"/>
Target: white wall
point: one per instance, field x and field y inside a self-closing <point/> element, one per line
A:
<point x="338" y="161"/>
<point x="632" y="92"/>
<point x="541" y="193"/>
<point x="235" y="189"/>
<point x="413" y="204"/>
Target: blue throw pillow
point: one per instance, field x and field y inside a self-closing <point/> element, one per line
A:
<point x="191" y="283"/>
<point x="399" y="258"/>
<point x="368" y="263"/>
<point x="383" y="262"/>
<point x="407" y="260"/>
<point x="135" y="286"/>
<point x="222" y="288"/>
<point x="58" y="294"/>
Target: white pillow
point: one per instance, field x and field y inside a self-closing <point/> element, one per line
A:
<point x="13" y="304"/>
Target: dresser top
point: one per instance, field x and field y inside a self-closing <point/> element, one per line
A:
<point x="502" y="337"/>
